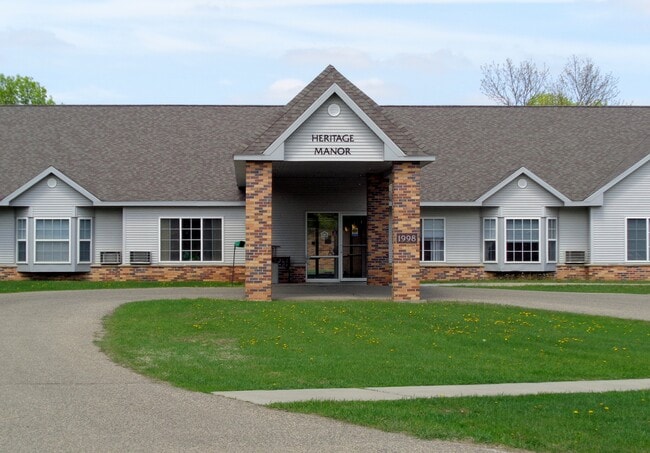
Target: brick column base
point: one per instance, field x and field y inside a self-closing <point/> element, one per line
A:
<point x="378" y="208"/>
<point x="406" y="224"/>
<point x="259" y="230"/>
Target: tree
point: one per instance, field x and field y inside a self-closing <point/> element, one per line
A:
<point x="542" y="99"/>
<point x="20" y="90"/>
<point x="509" y="84"/>
<point x="580" y="83"/>
<point x="583" y="82"/>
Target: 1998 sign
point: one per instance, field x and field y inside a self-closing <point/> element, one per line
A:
<point x="407" y="238"/>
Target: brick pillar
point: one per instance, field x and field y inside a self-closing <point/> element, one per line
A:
<point x="406" y="221"/>
<point x="259" y="230"/>
<point x="378" y="207"/>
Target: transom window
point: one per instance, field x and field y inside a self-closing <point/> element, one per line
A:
<point x="522" y="240"/>
<point x="85" y="240"/>
<point x="21" y="240"/>
<point x="433" y="240"/>
<point x="637" y="242"/>
<point x="191" y="239"/>
<point x="551" y="240"/>
<point x="489" y="240"/>
<point x="52" y="241"/>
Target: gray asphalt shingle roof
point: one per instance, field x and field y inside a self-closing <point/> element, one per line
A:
<point x="185" y="153"/>
<point x="131" y="153"/>
<point x="576" y="150"/>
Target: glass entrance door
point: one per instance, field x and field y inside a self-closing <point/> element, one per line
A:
<point x="334" y="256"/>
<point x="354" y="244"/>
<point x="322" y="246"/>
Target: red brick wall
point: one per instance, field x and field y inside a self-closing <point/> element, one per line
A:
<point x="406" y="220"/>
<point x="571" y="272"/>
<point x="297" y="274"/>
<point x="259" y="230"/>
<point x="137" y="273"/>
<point x="454" y="273"/>
<point x="166" y="273"/>
<point x="10" y="273"/>
<point x="378" y="210"/>
<point x="613" y="273"/>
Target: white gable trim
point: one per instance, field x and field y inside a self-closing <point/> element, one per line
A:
<point x="392" y="152"/>
<point x="41" y="176"/>
<point x="598" y="196"/>
<point x="524" y="171"/>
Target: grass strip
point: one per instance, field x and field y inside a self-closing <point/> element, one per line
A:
<point x="630" y="288"/>
<point x="584" y="422"/>
<point x="68" y="285"/>
<point x="209" y="345"/>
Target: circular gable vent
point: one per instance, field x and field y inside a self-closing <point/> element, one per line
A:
<point x="334" y="109"/>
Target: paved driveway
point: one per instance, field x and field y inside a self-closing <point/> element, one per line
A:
<point x="628" y="306"/>
<point x="59" y="393"/>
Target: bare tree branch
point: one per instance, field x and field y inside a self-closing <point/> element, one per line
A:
<point x="509" y="84"/>
<point x="583" y="82"/>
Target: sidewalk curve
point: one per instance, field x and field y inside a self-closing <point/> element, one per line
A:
<point x="434" y="391"/>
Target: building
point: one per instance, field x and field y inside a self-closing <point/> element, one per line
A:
<point x="330" y="187"/>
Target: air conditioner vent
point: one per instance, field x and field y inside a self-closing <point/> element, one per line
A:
<point x="110" y="257"/>
<point x="575" y="257"/>
<point x="140" y="257"/>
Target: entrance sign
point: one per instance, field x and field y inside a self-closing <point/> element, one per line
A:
<point x="333" y="133"/>
<point x="403" y="238"/>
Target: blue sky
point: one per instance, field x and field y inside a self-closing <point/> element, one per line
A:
<point x="265" y="51"/>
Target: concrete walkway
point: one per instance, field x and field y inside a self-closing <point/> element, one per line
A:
<point x="434" y="391"/>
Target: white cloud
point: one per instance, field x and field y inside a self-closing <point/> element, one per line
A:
<point x="438" y="62"/>
<point x="249" y="4"/>
<point x="376" y="88"/>
<point x="284" y="90"/>
<point x="29" y="37"/>
<point x="640" y="5"/>
<point x="161" y="43"/>
<point x="343" y="56"/>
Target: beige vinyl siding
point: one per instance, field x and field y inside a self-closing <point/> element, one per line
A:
<point x="513" y="201"/>
<point x="45" y="201"/>
<point x="142" y="225"/>
<point x="573" y="231"/>
<point x="7" y="236"/>
<point x="628" y="198"/>
<point x="365" y="147"/>
<point x="462" y="233"/>
<point x="107" y="231"/>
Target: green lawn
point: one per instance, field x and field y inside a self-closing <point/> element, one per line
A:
<point x="578" y="287"/>
<point x="66" y="285"/>
<point x="210" y="345"/>
<point x="581" y="423"/>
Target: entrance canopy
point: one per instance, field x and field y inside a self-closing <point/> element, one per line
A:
<point x="331" y="130"/>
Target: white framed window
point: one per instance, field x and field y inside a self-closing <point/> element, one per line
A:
<point x="191" y="239"/>
<point x="84" y="240"/>
<point x="551" y="240"/>
<point x="433" y="240"/>
<point x="490" y="240"/>
<point x="52" y="241"/>
<point x="637" y="239"/>
<point x="522" y="240"/>
<point x="21" y="240"/>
